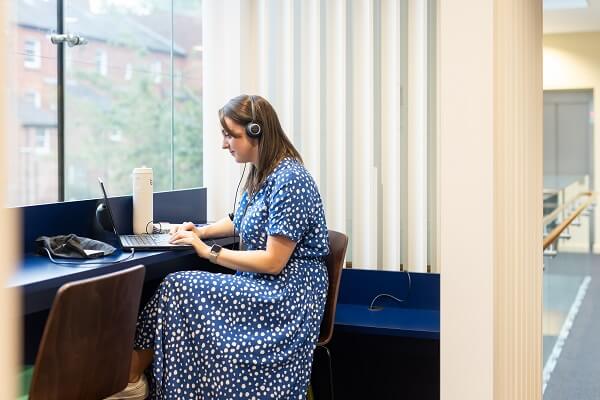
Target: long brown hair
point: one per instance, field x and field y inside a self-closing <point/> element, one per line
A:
<point x="273" y="144"/>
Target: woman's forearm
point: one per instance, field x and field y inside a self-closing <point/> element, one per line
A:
<point x="220" y="228"/>
<point x="250" y="261"/>
<point x="270" y="261"/>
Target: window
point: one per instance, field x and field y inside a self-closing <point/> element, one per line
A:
<point x="112" y="122"/>
<point x="157" y="71"/>
<point x="33" y="97"/>
<point x="116" y="135"/>
<point x="177" y="76"/>
<point x="68" y="59"/>
<point x="101" y="62"/>
<point x="41" y="139"/>
<point x="128" y="71"/>
<point x="32" y="50"/>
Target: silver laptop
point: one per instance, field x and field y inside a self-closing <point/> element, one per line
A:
<point x="149" y="242"/>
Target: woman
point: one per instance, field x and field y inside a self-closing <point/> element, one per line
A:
<point x="251" y="334"/>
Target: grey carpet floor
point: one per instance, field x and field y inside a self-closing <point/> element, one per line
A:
<point x="577" y="373"/>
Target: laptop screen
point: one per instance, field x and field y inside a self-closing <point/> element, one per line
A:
<point x="110" y="216"/>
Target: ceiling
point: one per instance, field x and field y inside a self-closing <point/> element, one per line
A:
<point x="573" y="20"/>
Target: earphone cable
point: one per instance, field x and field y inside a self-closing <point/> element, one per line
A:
<point x="235" y="202"/>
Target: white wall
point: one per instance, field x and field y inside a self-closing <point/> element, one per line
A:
<point x="572" y="61"/>
<point x="490" y="110"/>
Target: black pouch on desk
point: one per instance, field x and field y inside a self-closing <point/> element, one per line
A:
<point x="73" y="246"/>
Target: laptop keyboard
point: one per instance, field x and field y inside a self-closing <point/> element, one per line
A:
<point x="145" y="240"/>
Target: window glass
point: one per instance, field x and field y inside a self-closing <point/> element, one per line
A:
<point x="32" y="142"/>
<point x="114" y="124"/>
<point x="187" y="121"/>
<point x="132" y="96"/>
<point x="120" y="108"/>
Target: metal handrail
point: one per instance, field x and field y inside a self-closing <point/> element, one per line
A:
<point x="552" y="236"/>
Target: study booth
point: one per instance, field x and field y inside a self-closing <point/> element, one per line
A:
<point x="385" y="342"/>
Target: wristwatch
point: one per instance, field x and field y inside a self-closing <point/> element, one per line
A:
<point x="214" y="253"/>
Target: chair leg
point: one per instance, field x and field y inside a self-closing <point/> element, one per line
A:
<point x="330" y="371"/>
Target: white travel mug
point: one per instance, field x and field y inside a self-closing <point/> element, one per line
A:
<point x="143" y="205"/>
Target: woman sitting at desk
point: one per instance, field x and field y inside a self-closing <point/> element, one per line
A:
<point x="251" y="334"/>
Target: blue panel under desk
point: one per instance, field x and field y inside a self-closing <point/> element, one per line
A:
<point x="418" y="315"/>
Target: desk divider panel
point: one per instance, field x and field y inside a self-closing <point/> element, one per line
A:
<point x="79" y="217"/>
<point x="361" y="286"/>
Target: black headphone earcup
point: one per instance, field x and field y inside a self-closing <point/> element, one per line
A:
<point x="253" y="130"/>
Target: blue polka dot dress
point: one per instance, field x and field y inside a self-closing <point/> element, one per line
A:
<point x="247" y="335"/>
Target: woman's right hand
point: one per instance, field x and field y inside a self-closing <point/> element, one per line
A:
<point x="186" y="226"/>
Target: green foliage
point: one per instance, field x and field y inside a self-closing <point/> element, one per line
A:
<point x="114" y="128"/>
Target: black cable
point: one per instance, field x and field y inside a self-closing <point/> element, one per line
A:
<point x="84" y="264"/>
<point x="232" y="215"/>
<point x="155" y="230"/>
<point x="149" y="222"/>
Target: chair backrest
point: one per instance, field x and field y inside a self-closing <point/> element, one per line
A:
<point x="87" y="344"/>
<point x="338" y="243"/>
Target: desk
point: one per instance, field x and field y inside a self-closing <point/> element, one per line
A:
<point x="418" y="316"/>
<point x="392" y="353"/>
<point x="39" y="278"/>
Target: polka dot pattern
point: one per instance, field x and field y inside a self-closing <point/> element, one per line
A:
<point x="248" y="335"/>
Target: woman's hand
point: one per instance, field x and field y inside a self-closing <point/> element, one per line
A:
<point x="189" y="237"/>
<point x="186" y="226"/>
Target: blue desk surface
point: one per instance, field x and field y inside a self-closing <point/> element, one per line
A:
<point x="418" y="315"/>
<point x="409" y="322"/>
<point x="39" y="278"/>
<point x="38" y="272"/>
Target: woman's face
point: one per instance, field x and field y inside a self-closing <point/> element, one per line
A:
<point x="242" y="148"/>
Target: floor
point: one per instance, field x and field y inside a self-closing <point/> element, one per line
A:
<point x="571" y="327"/>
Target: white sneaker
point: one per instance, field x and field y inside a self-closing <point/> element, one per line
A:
<point x="134" y="391"/>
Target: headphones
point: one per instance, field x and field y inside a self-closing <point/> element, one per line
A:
<point x="253" y="129"/>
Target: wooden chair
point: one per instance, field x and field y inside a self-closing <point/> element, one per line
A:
<point x="338" y="243"/>
<point x="87" y="343"/>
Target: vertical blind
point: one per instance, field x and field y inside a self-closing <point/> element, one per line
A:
<point x="336" y="72"/>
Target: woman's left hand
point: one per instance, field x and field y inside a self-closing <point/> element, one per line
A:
<point x="189" y="237"/>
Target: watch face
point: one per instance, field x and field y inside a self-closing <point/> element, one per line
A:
<point x="215" y="248"/>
